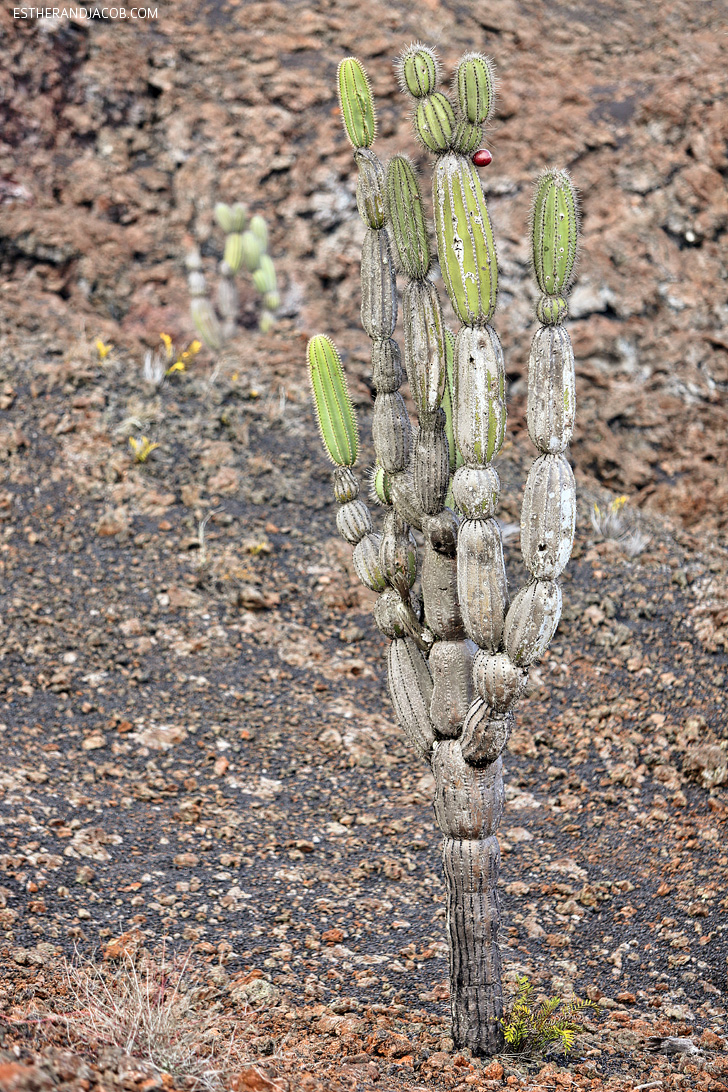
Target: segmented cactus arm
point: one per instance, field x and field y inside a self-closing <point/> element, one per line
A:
<point x="356" y="102"/>
<point x="335" y="414"/>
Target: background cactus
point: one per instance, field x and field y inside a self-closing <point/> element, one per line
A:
<point x="460" y="649"/>
<point x="245" y="245"/>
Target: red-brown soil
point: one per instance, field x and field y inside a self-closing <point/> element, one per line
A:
<point x="201" y="748"/>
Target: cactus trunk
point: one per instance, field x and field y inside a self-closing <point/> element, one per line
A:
<point x="473" y="920"/>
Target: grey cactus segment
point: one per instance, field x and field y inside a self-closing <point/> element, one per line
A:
<point x="346" y="486"/>
<point x="531" y="621"/>
<point x="448" y="399"/>
<point x="370" y="189"/>
<point x="387" y="370"/>
<point x="480" y="394"/>
<point x="228" y="304"/>
<point x="409" y="613"/>
<point x="431" y="467"/>
<point x="497" y="680"/>
<point x="471" y="870"/>
<point x="398" y="554"/>
<point x="465" y="244"/>
<point x="441" y="532"/>
<point x="548" y="516"/>
<point x="485" y="734"/>
<point x="353" y="521"/>
<point x="440" y="593"/>
<point x="206" y="322"/>
<point x="482" y="585"/>
<point x="424" y="346"/>
<point x="406" y="216"/>
<point x="196" y="283"/>
<point x="387" y="616"/>
<point x="469" y="801"/>
<point x="410" y="685"/>
<point x="476" y="491"/>
<point x="366" y="563"/>
<point x="391" y="431"/>
<point x="404" y="500"/>
<point x="378" y="286"/>
<point x="551" y="390"/>
<point x="450" y="664"/>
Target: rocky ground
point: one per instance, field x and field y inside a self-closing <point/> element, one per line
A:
<point x="197" y="741"/>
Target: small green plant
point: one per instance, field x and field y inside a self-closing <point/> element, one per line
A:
<point x="142" y="448"/>
<point x="162" y="362"/>
<point x="249" y="248"/>
<point x="530" y="1028"/>
<point x="102" y="350"/>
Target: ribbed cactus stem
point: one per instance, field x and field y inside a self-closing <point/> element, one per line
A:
<point x="466" y="251"/>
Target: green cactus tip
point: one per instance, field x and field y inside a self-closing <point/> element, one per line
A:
<point x="380" y="491"/>
<point x="418" y="70"/>
<point x="231" y="218"/>
<point x="554" y="231"/>
<point x="336" y="418"/>
<point x="357" y="103"/>
<point x="259" y="229"/>
<point x="475" y="87"/>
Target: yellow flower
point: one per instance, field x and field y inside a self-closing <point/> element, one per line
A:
<point x="168" y="346"/>
<point x="103" y="350"/>
<point x="178" y="366"/>
<point x="192" y="350"/>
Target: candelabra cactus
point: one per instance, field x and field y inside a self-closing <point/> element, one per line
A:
<point x="460" y="650"/>
<point x="216" y="324"/>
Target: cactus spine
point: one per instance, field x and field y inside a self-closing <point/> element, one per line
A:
<point x="458" y="660"/>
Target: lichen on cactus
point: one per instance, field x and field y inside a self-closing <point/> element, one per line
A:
<point x="461" y="645"/>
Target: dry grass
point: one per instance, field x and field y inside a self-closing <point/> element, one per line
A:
<point x="614" y="523"/>
<point x="149" y="1008"/>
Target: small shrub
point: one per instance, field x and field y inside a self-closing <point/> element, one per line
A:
<point x="163" y="362"/>
<point x="530" y="1028"/>
<point x="613" y="523"/>
<point x="609" y="522"/>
